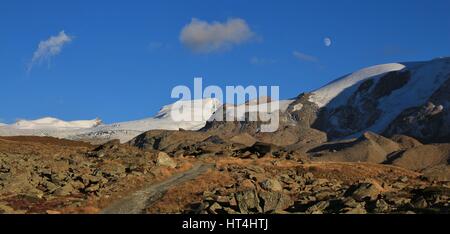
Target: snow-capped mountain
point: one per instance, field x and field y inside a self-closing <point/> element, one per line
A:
<point x="323" y="96"/>
<point x="398" y="98"/>
<point x="94" y="130"/>
<point x="53" y="123"/>
<point x="372" y="98"/>
<point x="410" y="98"/>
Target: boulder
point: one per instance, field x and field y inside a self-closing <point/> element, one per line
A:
<point x="214" y="208"/>
<point x="5" y="209"/>
<point x="363" y="191"/>
<point x="272" y="185"/>
<point x="318" y="208"/>
<point x="248" y="202"/>
<point x="275" y="201"/>
<point x="64" y="191"/>
<point x="358" y="210"/>
<point x="163" y="159"/>
<point x="381" y="206"/>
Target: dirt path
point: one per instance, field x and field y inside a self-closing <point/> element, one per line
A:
<point x="137" y="202"/>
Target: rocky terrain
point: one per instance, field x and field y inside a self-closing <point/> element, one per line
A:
<point x="282" y="187"/>
<point x="370" y="174"/>
<point x="47" y="175"/>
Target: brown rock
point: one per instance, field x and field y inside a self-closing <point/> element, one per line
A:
<point x="64" y="191"/>
<point x="364" y="191"/>
<point x="163" y="159"/>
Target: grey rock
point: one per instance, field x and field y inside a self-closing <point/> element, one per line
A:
<point x="272" y="185"/>
<point x="275" y="201"/>
<point x="248" y="202"/>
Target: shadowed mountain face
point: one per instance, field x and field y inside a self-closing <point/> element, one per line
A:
<point x="412" y="101"/>
<point x="361" y="110"/>
<point x="428" y="122"/>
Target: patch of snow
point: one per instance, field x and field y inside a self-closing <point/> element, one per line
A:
<point x="329" y="92"/>
<point x="263" y="110"/>
<point x="194" y="110"/>
<point x="53" y="123"/>
<point x="297" y="107"/>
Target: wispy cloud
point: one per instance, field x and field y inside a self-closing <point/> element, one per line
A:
<point x="261" y="61"/>
<point x="49" y="48"/>
<point x="305" y="57"/>
<point x="204" y="37"/>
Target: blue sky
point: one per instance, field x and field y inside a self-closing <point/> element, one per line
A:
<point x="121" y="59"/>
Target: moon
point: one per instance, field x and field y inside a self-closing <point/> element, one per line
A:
<point x="327" y="41"/>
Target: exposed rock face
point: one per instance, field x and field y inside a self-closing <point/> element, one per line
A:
<point x="167" y="140"/>
<point x="361" y="109"/>
<point x="295" y="121"/>
<point x="429" y="122"/>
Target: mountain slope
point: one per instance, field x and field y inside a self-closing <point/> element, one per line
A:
<point x="373" y="102"/>
<point x="323" y="96"/>
<point x="377" y="99"/>
<point x="96" y="132"/>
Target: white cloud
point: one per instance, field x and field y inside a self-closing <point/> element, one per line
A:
<point x="305" y="57"/>
<point x="203" y="37"/>
<point x="49" y="48"/>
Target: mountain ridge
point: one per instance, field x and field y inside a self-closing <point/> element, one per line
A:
<point x="377" y="98"/>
